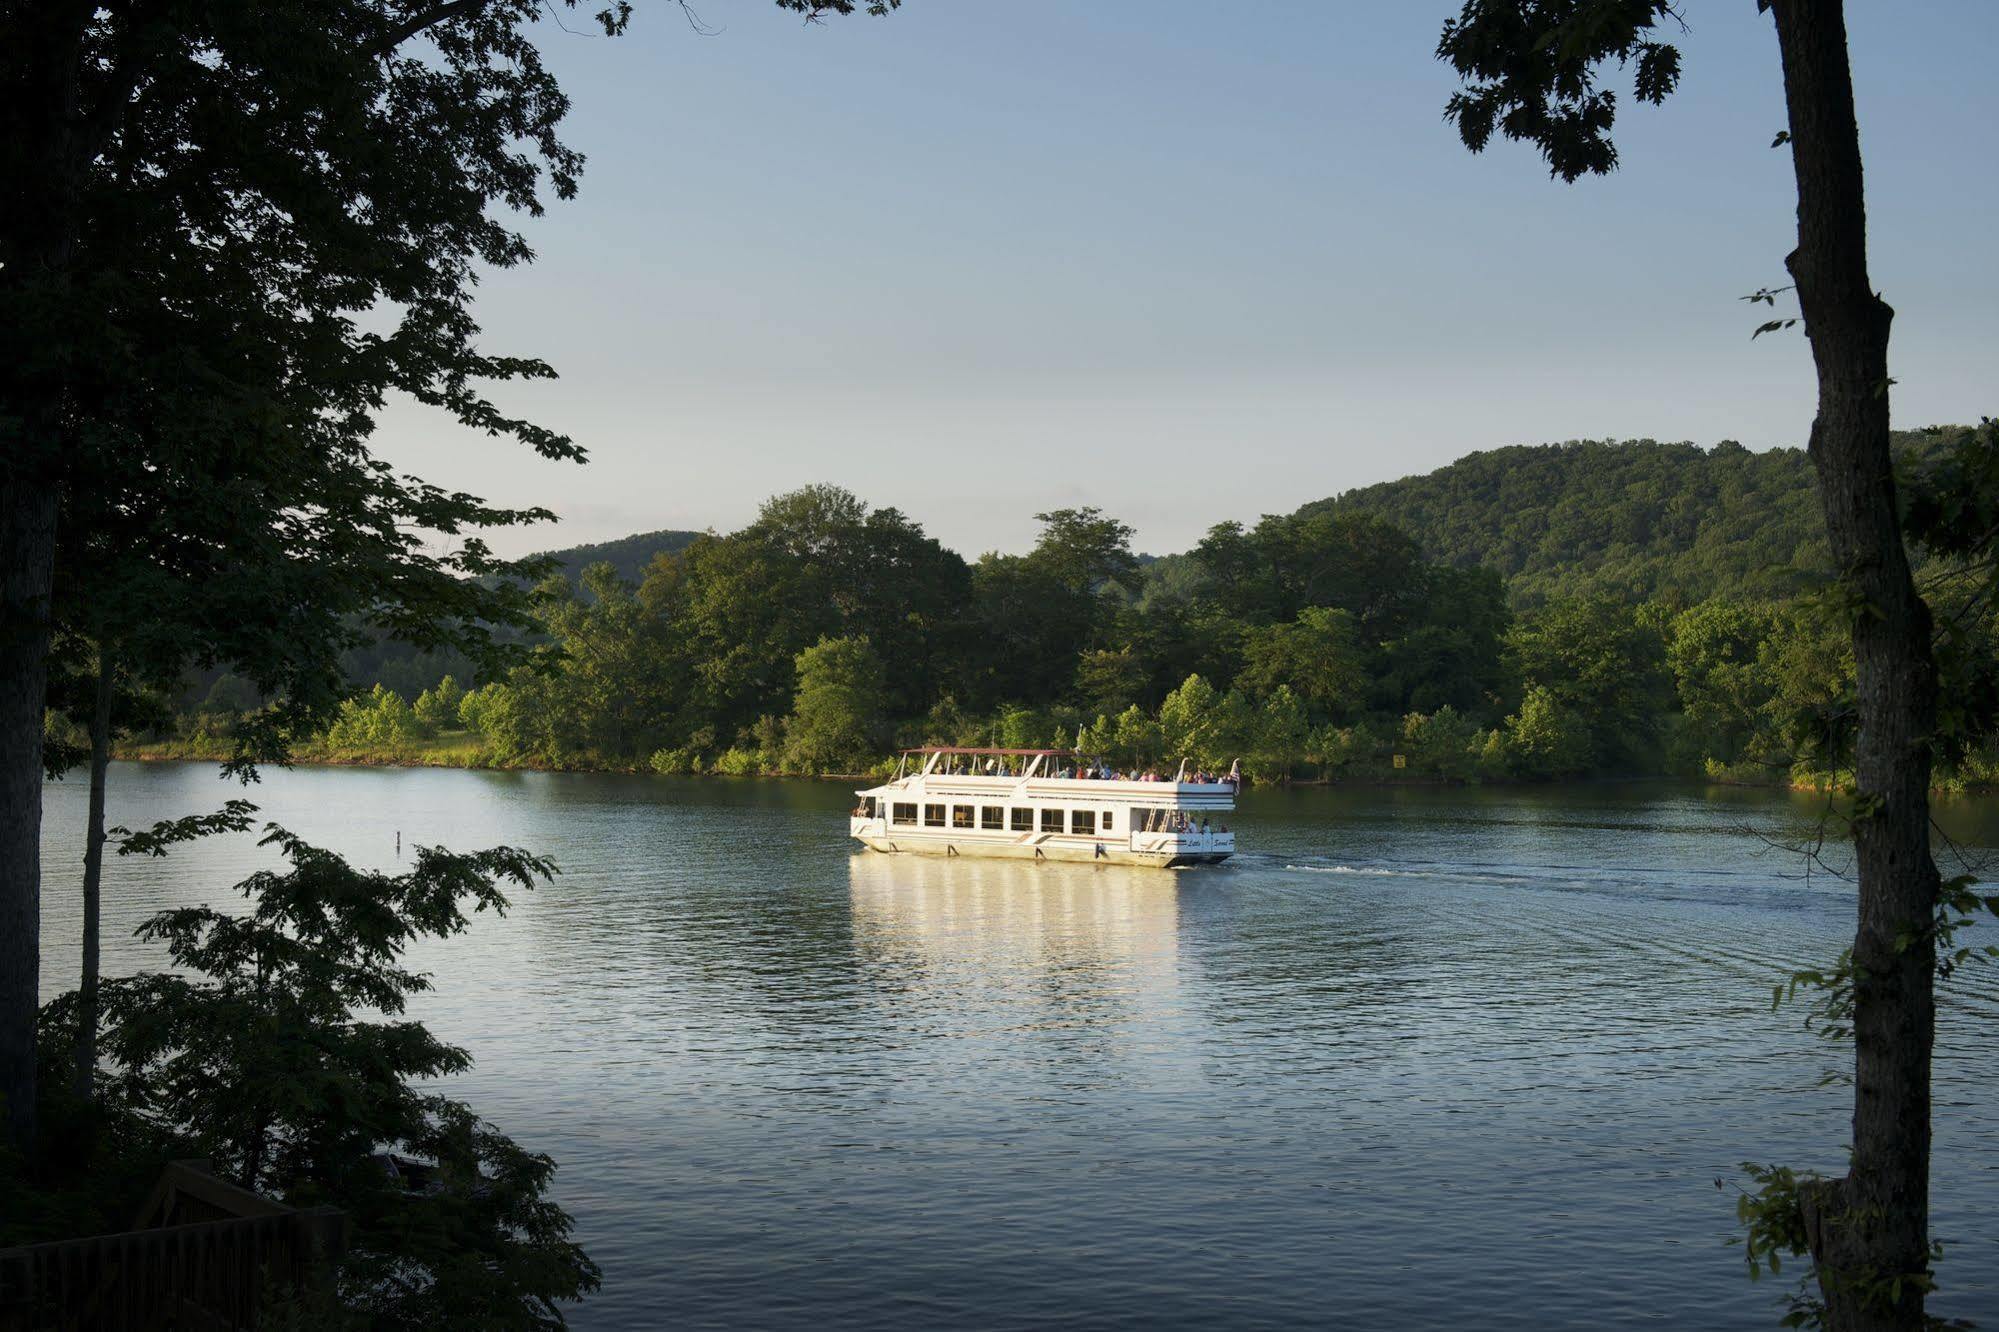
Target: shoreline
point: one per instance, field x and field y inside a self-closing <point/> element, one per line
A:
<point x="469" y="760"/>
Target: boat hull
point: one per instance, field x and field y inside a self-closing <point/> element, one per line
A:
<point x="1100" y="853"/>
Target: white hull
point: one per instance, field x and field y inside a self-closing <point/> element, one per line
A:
<point x="1188" y="849"/>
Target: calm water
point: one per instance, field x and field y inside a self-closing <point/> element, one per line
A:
<point x="1422" y="1058"/>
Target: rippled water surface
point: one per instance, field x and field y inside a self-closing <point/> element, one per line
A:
<point x="1420" y="1058"/>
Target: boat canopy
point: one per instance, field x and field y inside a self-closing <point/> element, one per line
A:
<point x="973" y="749"/>
<point x="994" y="761"/>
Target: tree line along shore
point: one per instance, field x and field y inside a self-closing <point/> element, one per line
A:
<point x="1430" y="630"/>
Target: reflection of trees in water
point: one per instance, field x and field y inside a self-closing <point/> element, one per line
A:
<point x="970" y="947"/>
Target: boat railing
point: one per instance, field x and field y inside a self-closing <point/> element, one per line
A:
<point x="1042" y="769"/>
<point x="1085" y="783"/>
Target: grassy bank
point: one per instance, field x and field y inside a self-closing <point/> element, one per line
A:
<point x="466" y="749"/>
<point x="447" y="749"/>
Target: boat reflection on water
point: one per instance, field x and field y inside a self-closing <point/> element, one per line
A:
<point x="1015" y="942"/>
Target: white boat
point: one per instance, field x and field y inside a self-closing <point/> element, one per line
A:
<point x="1043" y="804"/>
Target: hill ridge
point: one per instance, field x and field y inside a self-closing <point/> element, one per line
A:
<point x="1630" y="518"/>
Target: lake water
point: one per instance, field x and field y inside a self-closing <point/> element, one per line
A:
<point x="1419" y="1058"/>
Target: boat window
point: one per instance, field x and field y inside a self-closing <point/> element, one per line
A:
<point x="905" y="814"/>
<point x="1083" y="821"/>
<point x="933" y="816"/>
<point x="1023" y="819"/>
<point x="992" y="816"/>
<point x="1107" y="821"/>
<point x="1051" y="820"/>
<point x="961" y="816"/>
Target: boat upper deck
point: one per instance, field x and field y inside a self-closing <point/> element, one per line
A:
<point x="1056" y="774"/>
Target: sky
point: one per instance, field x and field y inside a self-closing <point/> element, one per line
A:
<point x="1185" y="262"/>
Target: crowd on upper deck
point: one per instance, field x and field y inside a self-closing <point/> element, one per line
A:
<point x="1104" y="772"/>
<point x="1014" y="765"/>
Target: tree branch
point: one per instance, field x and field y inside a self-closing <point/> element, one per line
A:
<point x="427" y="18"/>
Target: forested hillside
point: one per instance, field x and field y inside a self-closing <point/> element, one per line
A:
<point x="1631" y="519"/>
<point x="627" y="556"/>
<point x="1522" y="614"/>
<point x="409" y="671"/>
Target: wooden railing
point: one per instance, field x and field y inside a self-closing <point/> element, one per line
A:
<point x="206" y="1255"/>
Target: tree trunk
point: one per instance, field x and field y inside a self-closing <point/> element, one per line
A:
<point x="38" y="210"/>
<point x="27" y="561"/>
<point x="1872" y="1227"/>
<point x="85" y="1076"/>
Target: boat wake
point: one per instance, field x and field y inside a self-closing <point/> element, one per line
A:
<point x="1374" y="871"/>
